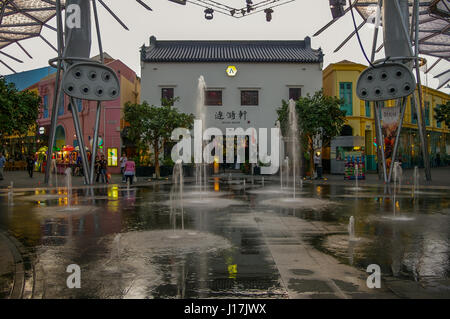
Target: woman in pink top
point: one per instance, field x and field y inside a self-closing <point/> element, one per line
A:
<point x="129" y="170"/>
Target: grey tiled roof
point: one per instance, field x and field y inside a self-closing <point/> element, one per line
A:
<point x="231" y="51"/>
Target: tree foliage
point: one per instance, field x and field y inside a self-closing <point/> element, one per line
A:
<point x="18" y="110"/>
<point x="153" y="125"/>
<point x="443" y="113"/>
<point x="314" y="112"/>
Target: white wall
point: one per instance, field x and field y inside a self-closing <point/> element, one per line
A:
<point x="273" y="81"/>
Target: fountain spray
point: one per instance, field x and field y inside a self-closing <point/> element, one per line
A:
<point x="11" y="194"/>
<point x="293" y="132"/>
<point x="200" y="167"/>
<point x="416" y="177"/>
<point x="287" y="171"/>
<point x="351" y="228"/>
<point x="68" y="173"/>
<point x="396" y="172"/>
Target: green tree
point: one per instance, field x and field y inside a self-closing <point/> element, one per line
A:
<point x="153" y="125"/>
<point x="443" y="113"/>
<point x="18" y="110"/>
<point x="314" y="113"/>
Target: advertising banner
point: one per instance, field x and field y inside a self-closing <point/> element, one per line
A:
<point x="390" y="119"/>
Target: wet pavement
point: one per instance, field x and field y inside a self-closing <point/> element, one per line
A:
<point x="245" y="242"/>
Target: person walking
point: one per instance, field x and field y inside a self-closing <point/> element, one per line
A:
<point x="30" y="165"/>
<point x="78" y="167"/>
<point x="2" y="165"/>
<point x="318" y="164"/>
<point x="123" y="161"/>
<point x="103" y="169"/>
<point x="97" y="168"/>
<point x="130" y="171"/>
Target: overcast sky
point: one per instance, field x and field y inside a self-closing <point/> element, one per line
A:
<point x="170" y="21"/>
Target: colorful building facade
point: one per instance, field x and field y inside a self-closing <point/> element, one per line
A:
<point x="111" y="123"/>
<point x="340" y="79"/>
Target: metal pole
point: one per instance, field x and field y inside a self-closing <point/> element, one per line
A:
<point x="99" y="104"/>
<point x="76" y="122"/>
<point x="375" y="116"/>
<point x="397" y="138"/>
<point x="56" y="96"/>
<point x="375" y="34"/>
<point x="381" y="142"/>
<point x="95" y="141"/>
<point x="404" y="25"/>
<point x="372" y="58"/>
<point x="420" y="107"/>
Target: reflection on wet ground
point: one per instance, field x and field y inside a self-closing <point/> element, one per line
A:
<point x="250" y="241"/>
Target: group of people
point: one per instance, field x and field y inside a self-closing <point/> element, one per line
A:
<point x="30" y="165"/>
<point x="127" y="168"/>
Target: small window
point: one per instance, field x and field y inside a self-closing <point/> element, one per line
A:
<point x="427" y="113"/>
<point x="213" y="97"/>
<point x="249" y="98"/>
<point x="413" y="115"/>
<point x="438" y="124"/>
<point x="79" y="104"/>
<point x="295" y="93"/>
<point x="167" y="93"/>
<point x="367" y="103"/>
<point x="346" y="93"/>
<point x="61" y="105"/>
<point x="45" y="103"/>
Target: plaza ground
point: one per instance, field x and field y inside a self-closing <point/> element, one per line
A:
<point x="276" y="253"/>
<point x="440" y="177"/>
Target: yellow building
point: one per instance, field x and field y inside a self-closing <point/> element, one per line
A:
<point x="340" y="79"/>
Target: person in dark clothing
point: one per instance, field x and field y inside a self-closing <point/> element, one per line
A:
<point x="79" y="167"/>
<point x="103" y="169"/>
<point x="30" y="165"/>
<point x="97" y="169"/>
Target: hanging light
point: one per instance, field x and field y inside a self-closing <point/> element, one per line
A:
<point x="183" y="2"/>
<point x="268" y="13"/>
<point x="209" y="14"/>
<point x="337" y="8"/>
<point x="249" y="6"/>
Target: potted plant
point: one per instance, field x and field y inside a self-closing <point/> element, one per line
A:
<point x="257" y="169"/>
<point x="166" y="168"/>
<point x="245" y="167"/>
<point x="144" y="166"/>
<point x="189" y="169"/>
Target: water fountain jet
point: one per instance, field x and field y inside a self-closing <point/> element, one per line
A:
<point x="11" y="194"/>
<point x="351" y="229"/>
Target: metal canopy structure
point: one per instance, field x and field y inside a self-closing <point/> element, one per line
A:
<point x="434" y="28"/>
<point x="434" y="24"/>
<point x="24" y="19"/>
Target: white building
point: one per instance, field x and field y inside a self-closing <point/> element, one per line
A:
<point x="245" y="80"/>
